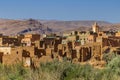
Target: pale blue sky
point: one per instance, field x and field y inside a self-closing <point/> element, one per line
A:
<point x="107" y="10"/>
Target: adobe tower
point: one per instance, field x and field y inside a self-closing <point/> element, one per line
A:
<point x="95" y="28"/>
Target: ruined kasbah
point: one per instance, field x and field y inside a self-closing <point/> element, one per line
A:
<point x="77" y="47"/>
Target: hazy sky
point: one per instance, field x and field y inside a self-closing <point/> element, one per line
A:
<point x="107" y="10"/>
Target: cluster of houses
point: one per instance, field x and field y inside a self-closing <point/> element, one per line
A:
<point x="75" y="46"/>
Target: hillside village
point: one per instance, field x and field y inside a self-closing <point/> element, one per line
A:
<point x="74" y="46"/>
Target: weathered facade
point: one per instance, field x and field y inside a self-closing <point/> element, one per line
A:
<point x="31" y="49"/>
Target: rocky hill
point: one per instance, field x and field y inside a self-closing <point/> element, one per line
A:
<point x="73" y="25"/>
<point x="13" y="27"/>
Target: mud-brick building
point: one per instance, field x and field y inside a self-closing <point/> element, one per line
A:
<point x="28" y="53"/>
<point x="117" y="34"/>
<point x="9" y="41"/>
<point x="81" y="53"/>
<point x="45" y="47"/>
<point x="97" y="51"/>
<point x="87" y="37"/>
<point x="29" y="39"/>
<point x="48" y="45"/>
<point x="111" y="41"/>
<point x="91" y="38"/>
<point x="11" y="55"/>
